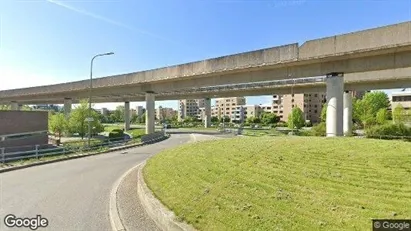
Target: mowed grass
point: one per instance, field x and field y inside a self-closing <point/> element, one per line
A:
<point x="284" y="183"/>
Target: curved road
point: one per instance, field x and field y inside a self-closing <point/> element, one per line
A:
<point x="74" y="194"/>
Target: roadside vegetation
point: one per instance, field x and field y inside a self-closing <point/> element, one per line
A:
<point x="284" y="183"/>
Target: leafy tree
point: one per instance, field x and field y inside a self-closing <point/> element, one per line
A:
<point x="134" y="118"/>
<point x="141" y="119"/>
<point x="189" y="119"/>
<point x="78" y="123"/>
<point x="269" y="118"/>
<point x="324" y="113"/>
<point x="365" y="110"/>
<point x="119" y="114"/>
<point x="296" y="118"/>
<point x="214" y="119"/>
<point x="5" y="107"/>
<point x="398" y="114"/>
<point x="58" y="124"/>
<point x="225" y="119"/>
<point x="382" y="116"/>
<point x="253" y="120"/>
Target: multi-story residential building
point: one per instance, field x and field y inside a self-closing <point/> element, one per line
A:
<point x="251" y="111"/>
<point x="310" y="104"/>
<point x="403" y="98"/>
<point x="230" y="107"/>
<point x="165" y="113"/>
<point x="104" y="111"/>
<point x="190" y="108"/>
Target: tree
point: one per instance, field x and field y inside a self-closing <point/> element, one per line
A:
<point x="58" y="124"/>
<point x="253" y="120"/>
<point x="119" y="114"/>
<point x="141" y="119"/>
<point x="134" y="118"/>
<point x="324" y="113"/>
<point x="382" y="116"/>
<point x="269" y="118"/>
<point x="365" y="110"/>
<point x="78" y="123"/>
<point x="214" y="119"/>
<point x="5" y="107"/>
<point x="296" y="118"/>
<point x="398" y="114"/>
<point x="225" y="119"/>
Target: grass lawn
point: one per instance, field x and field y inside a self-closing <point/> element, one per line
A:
<point x="284" y="183"/>
<point x="262" y="132"/>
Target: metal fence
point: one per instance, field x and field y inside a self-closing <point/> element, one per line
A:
<point x="40" y="151"/>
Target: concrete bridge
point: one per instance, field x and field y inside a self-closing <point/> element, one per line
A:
<point x="376" y="58"/>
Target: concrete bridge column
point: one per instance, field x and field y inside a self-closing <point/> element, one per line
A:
<point x="150" y="112"/>
<point x="14" y="106"/>
<point x="207" y="113"/>
<point x="347" y="121"/>
<point x="67" y="107"/>
<point x="126" y="116"/>
<point x="335" y="89"/>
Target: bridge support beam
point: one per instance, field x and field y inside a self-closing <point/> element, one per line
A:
<point x="150" y="112"/>
<point x="347" y="121"/>
<point x="335" y="90"/>
<point x="67" y="107"/>
<point x="126" y="116"/>
<point x="14" y="106"/>
<point x="207" y="112"/>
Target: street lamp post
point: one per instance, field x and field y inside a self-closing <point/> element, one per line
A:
<point x="89" y="119"/>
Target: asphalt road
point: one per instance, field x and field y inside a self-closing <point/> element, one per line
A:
<point x="74" y="194"/>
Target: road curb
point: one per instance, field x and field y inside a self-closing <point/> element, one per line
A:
<point x="115" y="220"/>
<point x="161" y="215"/>
<point x="81" y="156"/>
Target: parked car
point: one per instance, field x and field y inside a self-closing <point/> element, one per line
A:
<point x="166" y="126"/>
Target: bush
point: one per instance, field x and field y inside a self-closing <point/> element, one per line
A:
<point x="282" y="124"/>
<point x="318" y="130"/>
<point x="116" y="133"/>
<point x="389" y="131"/>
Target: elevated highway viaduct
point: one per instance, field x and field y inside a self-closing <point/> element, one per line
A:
<point x="378" y="58"/>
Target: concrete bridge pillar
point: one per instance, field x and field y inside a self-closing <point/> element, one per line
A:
<point x="126" y="116"/>
<point x="207" y="113"/>
<point x="347" y="121"/>
<point x="334" y="119"/>
<point x="14" y="106"/>
<point x="67" y="107"/>
<point x="150" y="112"/>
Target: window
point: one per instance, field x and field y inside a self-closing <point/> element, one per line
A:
<point x="315" y="111"/>
<point x="315" y="95"/>
<point x="292" y="101"/>
<point x="315" y="106"/>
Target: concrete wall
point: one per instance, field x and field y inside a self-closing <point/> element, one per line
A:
<point x="367" y="39"/>
<point x="12" y="122"/>
<point x="25" y="144"/>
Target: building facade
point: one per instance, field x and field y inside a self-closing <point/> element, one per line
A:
<point x="22" y="130"/>
<point x="190" y="108"/>
<point x="229" y="107"/>
<point x="163" y="113"/>
<point x="403" y="98"/>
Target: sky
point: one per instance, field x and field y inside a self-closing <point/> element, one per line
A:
<point x="52" y="41"/>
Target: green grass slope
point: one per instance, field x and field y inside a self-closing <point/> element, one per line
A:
<point x="284" y="183"/>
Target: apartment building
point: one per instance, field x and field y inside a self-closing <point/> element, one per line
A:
<point x="165" y="113"/>
<point x="230" y="107"/>
<point x="104" y="111"/>
<point x="310" y="104"/>
<point x="403" y="98"/>
<point x="190" y="108"/>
